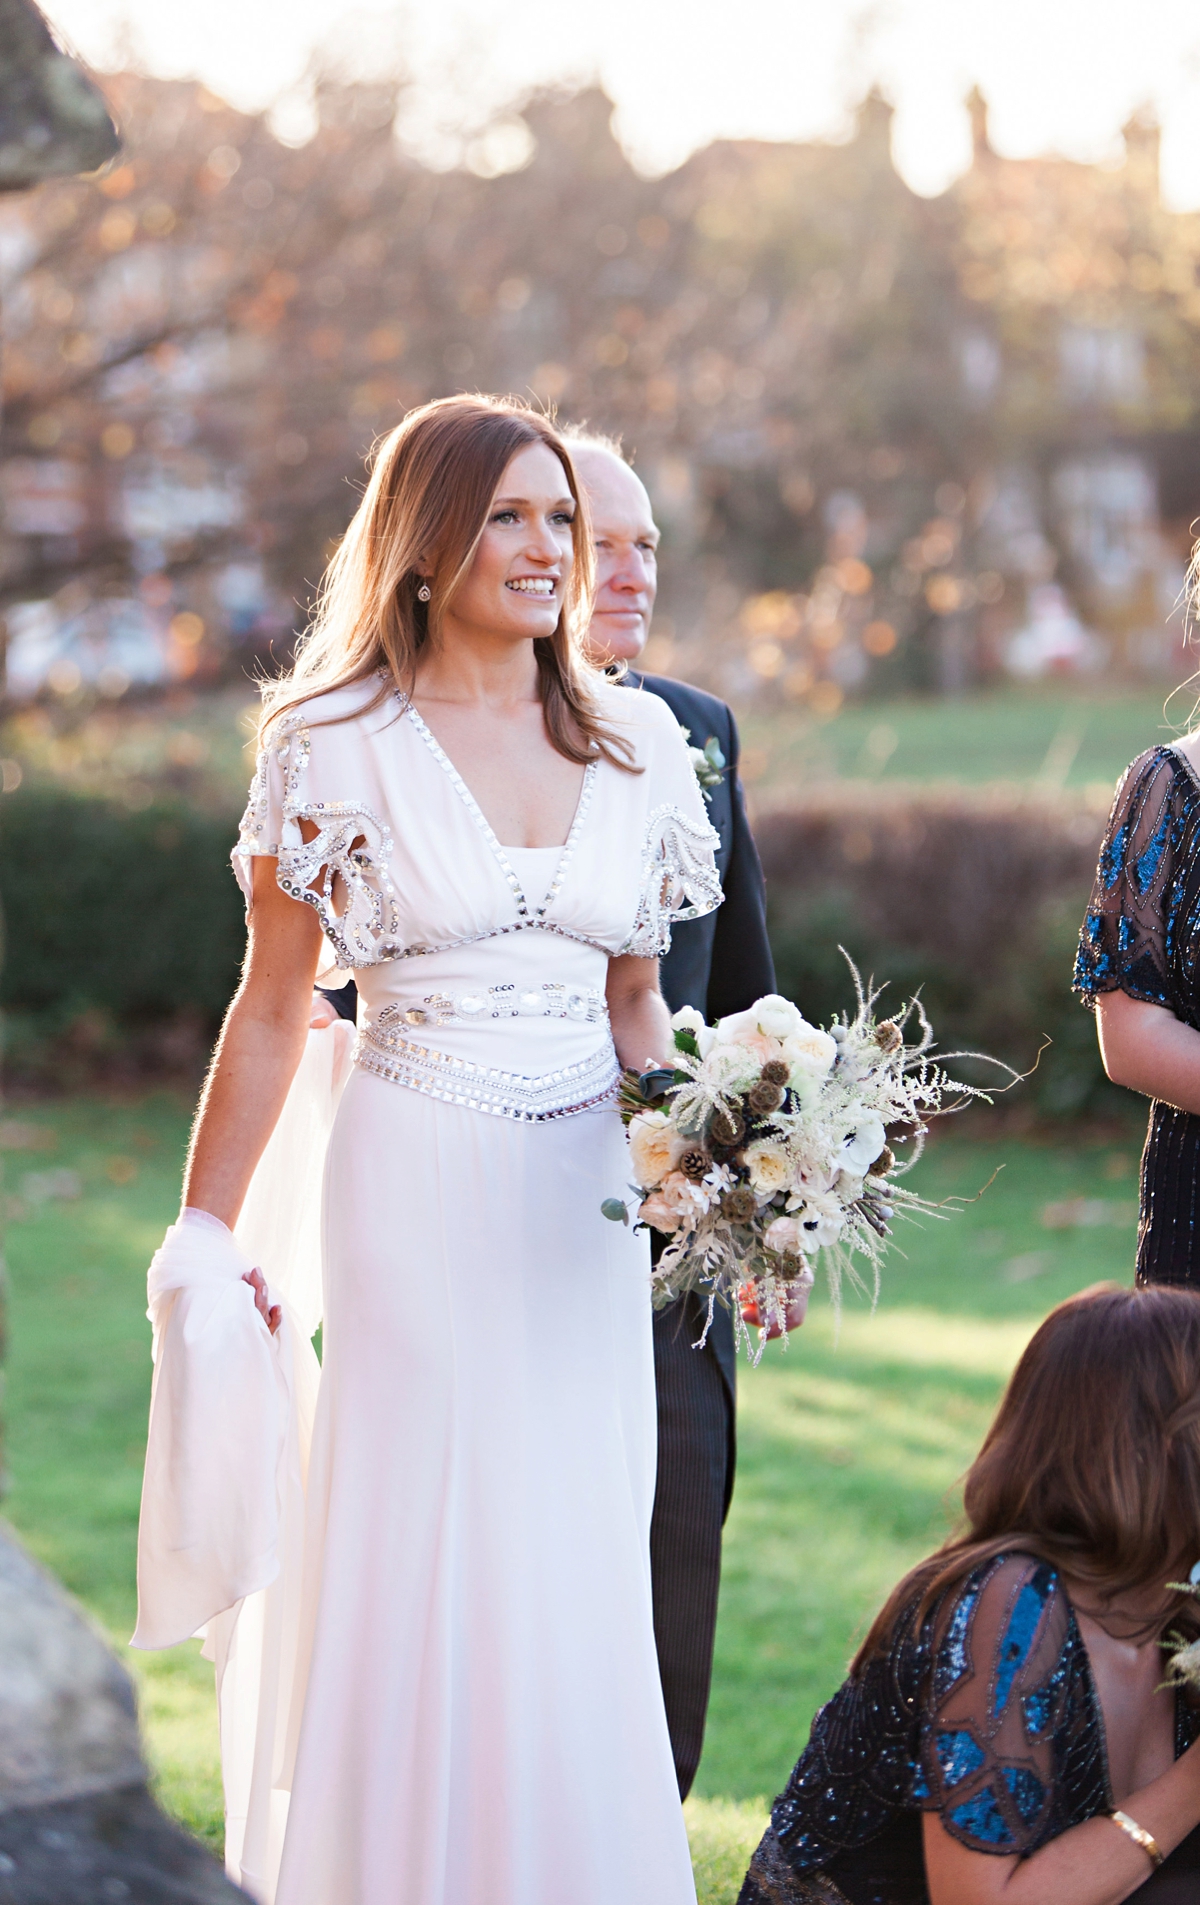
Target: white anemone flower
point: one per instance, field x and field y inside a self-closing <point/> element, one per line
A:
<point x="821" y="1220"/>
<point x="862" y="1146"/>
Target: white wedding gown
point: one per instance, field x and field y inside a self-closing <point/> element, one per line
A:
<point x="449" y="1694"/>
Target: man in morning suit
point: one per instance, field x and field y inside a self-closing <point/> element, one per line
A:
<point x="719" y="964"/>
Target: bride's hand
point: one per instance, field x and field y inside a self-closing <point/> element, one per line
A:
<point x="324" y="1012"/>
<point x="793" y="1315"/>
<point x="271" y="1313"/>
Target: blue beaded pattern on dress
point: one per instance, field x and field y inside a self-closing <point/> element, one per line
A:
<point x="1141" y="932"/>
<point x="1141" y="936"/>
<point x="984" y="1711"/>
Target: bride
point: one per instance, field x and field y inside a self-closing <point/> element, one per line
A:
<point x="441" y="1688"/>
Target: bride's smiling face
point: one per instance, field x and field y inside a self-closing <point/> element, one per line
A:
<point x="515" y="586"/>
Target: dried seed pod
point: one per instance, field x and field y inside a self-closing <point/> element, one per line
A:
<point x="695" y="1164"/>
<point x="739" y="1205"/>
<point x="888" y="1036"/>
<point x="726" y="1128"/>
<point x="775" y="1072"/>
<point x="762" y="1098"/>
<point x="883" y="1163"/>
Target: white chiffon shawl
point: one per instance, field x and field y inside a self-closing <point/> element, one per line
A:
<point x="221" y="1536"/>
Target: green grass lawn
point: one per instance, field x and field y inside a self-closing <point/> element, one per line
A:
<point x="849" y="1448"/>
<point x="1054" y="736"/>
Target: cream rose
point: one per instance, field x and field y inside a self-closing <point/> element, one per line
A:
<point x="769" y="1166"/>
<point x="654" y="1147"/>
<point x="809" y="1053"/>
<point x="677" y="1204"/>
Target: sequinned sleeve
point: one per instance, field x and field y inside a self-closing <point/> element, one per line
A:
<point x="1125" y="943"/>
<point x="679" y="879"/>
<point x="995" y="1705"/>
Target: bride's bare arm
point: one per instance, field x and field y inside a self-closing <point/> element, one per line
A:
<point x="641" y="1024"/>
<point x="258" y="1051"/>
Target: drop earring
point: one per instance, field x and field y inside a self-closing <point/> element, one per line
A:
<point x="424" y="592"/>
<point x="1194" y="1576"/>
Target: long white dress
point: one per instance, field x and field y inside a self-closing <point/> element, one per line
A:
<point x="464" y="1707"/>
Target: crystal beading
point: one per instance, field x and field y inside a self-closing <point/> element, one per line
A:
<point x="383" y="1049"/>
<point x="351" y="844"/>
<point x="679" y="880"/>
<point x="524" y="910"/>
<point x="551" y="999"/>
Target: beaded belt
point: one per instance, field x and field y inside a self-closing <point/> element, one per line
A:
<point x="384" y="1049"/>
<point x="586" y="1005"/>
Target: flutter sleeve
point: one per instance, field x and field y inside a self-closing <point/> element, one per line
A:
<point x="1125" y="942"/>
<point x="678" y="878"/>
<point x="995" y="1705"/>
<point x="307" y="810"/>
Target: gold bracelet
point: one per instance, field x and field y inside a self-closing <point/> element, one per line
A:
<point x="1139" y="1835"/>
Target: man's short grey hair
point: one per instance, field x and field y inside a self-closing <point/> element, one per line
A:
<point x="581" y="438"/>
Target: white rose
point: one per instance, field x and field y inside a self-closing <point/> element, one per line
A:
<point x="655" y="1147"/>
<point x="730" y="1068"/>
<point x="777" y="1017"/>
<point x="687" y="1019"/>
<point x="821" y="1221"/>
<point x="736" y="1027"/>
<point x="769" y="1165"/>
<point x="783" y="1235"/>
<point x="863" y="1145"/>
<point x="809" y="1053"/>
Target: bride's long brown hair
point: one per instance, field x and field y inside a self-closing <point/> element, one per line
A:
<point x="1092" y="1462"/>
<point x="431" y="485"/>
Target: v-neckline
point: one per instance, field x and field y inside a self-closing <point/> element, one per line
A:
<point x="533" y="914"/>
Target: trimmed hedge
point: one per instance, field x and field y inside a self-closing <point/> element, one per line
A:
<point x="975" y="896"/>
<point x="121" y="926"/>
<point x="124" y="921"/>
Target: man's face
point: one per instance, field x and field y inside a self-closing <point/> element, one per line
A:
<point x="626" y="564"/>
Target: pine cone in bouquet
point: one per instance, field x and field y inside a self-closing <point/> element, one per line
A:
<point x="774" y="1142"/>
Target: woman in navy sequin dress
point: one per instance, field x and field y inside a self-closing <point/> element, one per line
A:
<point x="1138" y="967"/>
<point x="1008" y="1701"/>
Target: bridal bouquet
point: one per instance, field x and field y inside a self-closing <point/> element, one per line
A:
<point x="771" y="1140"/>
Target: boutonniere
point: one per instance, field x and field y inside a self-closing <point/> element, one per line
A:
<point x="708" y="762"/>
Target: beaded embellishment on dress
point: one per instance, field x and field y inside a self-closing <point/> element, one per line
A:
<point x="363" y="933"/>
<point x="585" y="1005"/>
<point x="679" y="880"/>
<point x="383" y="1048"/>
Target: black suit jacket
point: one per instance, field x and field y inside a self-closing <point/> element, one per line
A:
<point x="721" y="963"/>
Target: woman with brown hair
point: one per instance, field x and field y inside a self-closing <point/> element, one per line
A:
<point x="1005" y="1736"/>
<point x="452" y="1697"/>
